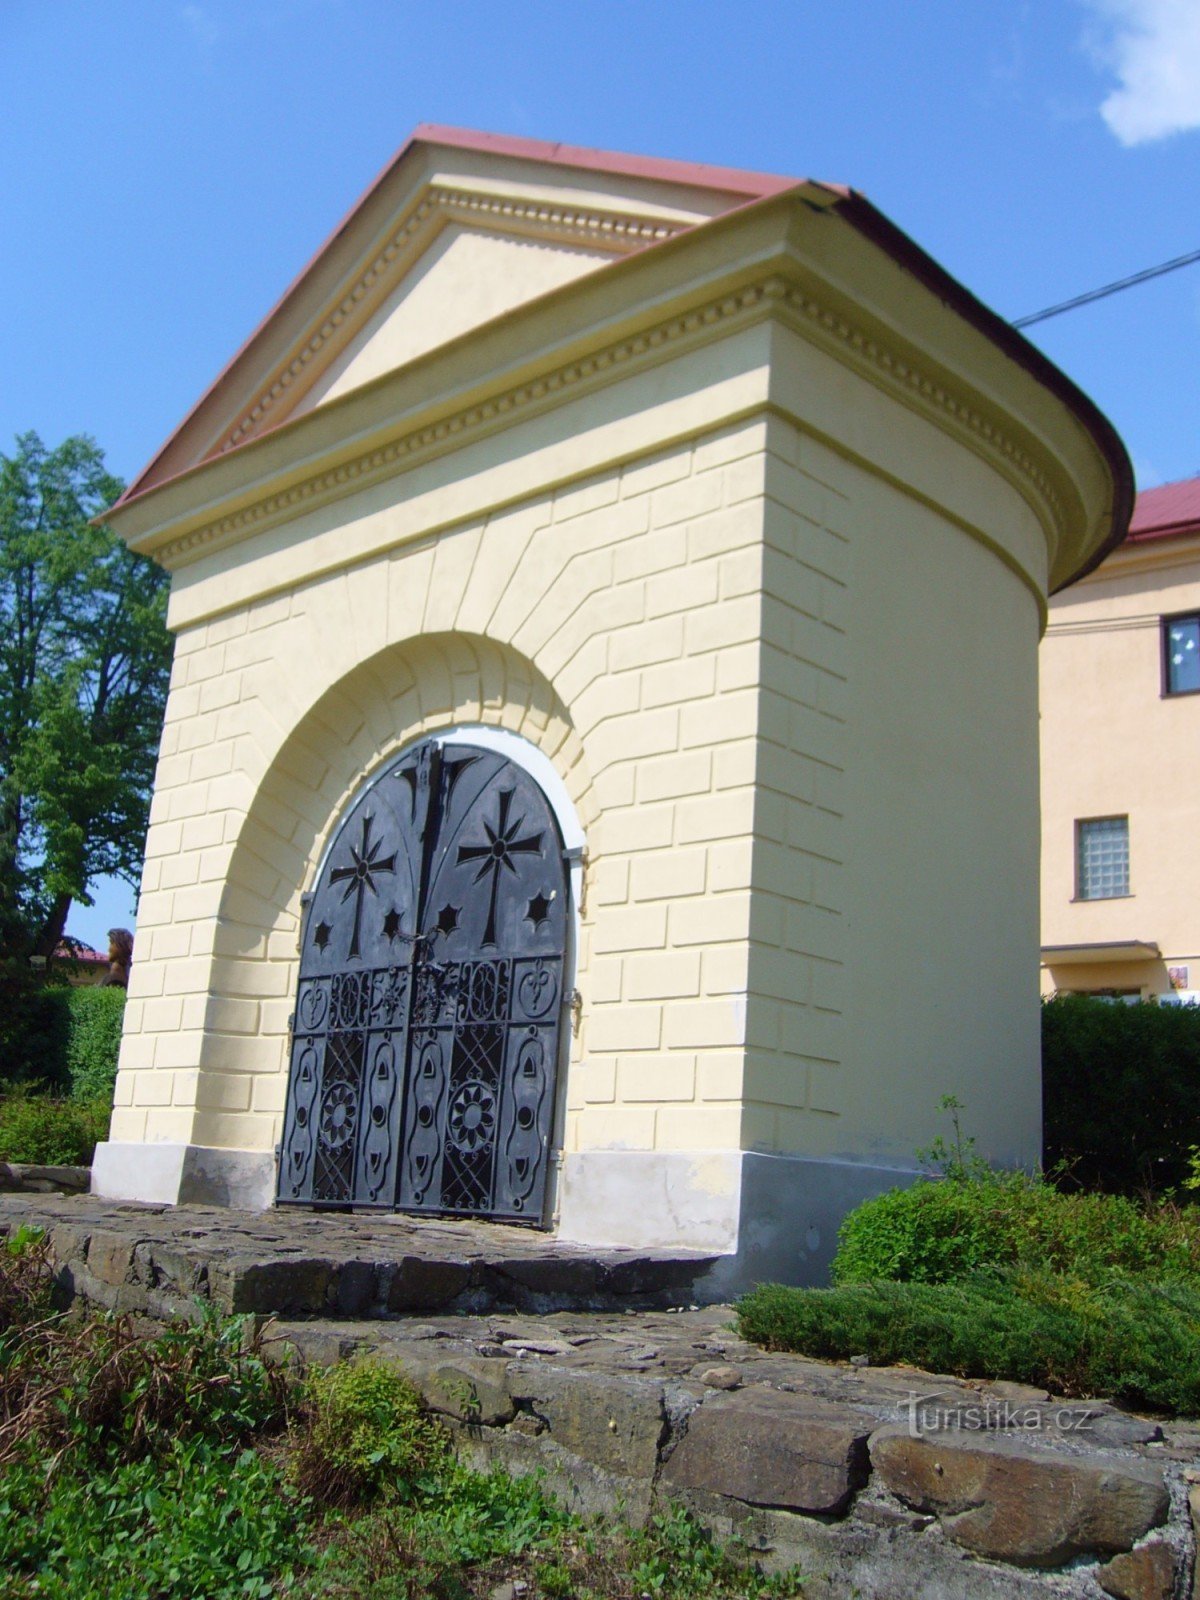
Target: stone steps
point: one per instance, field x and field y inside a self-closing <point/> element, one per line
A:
<point x="157" y="1261"/>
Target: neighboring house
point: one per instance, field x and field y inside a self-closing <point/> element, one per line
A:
<point x="1120" y="705"/>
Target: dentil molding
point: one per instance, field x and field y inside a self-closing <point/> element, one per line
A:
<point x="618" y="232"/>
<point x="773" y="294"/>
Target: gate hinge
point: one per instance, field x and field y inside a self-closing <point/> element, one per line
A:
<point x="575" y="1006"/>
<point x="577" y="853"/>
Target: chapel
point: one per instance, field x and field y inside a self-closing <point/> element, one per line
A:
<point x="599" y="785"/>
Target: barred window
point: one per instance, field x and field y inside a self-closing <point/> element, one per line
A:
<point x="1102" y="858"/>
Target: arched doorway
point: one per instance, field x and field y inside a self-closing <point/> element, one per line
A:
<point x="431" y="989"/>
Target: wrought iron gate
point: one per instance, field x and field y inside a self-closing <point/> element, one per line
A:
<point x="425" y="1036"/>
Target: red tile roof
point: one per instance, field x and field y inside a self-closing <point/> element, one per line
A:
<point x="1166" y="512"/>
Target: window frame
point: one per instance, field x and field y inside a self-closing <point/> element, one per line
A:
<point x="1080" y="824"/>
<point x="1165" y="690"/>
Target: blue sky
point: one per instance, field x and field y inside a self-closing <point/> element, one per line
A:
<point x="167" y="167"/>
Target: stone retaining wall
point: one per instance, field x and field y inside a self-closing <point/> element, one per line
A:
<point x="889" y="1483"/>
<point x="995" y="1491"/>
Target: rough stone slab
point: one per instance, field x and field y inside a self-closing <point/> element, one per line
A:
<point x="1017" y="1503"/>
<point x="1147" y="1573"/>
<point x="305" y="1263"/>
<point x="471" y="1390"/>
<point x="772" y="1449"/>
<point x="110" y="1256"/>
<point x="582" y="1486"/>
<point x="616" y="1423"/>
<point x="416" y="1284"/>
<point x="22" y="1177"/>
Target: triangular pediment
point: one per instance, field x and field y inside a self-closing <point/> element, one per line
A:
<point x="466" y="274"/>
<point x="458" y="230"/>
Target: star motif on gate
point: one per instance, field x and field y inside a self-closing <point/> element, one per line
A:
<point x="360" y="876"/>
<point x="502" y="845"/>
<point x="321" y="935"/>
<point x="447" y="920"/>
<point x="539" y="909"/>
<point x="391" y="925"/>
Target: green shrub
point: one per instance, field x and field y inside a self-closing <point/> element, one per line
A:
<point x="1119" y="1092"/>
<point x="47" y="1132"/>
<point x="369" y="1434"/>
<point x="33" y="1029"/>
<point x="943" y="1231"/>
<point x="1136" y="1342"/>
<point x="65" y="1040"/>
<point x="95" y="1017"/>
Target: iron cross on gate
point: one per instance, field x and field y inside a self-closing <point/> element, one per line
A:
<point x="366" y="863"/>
<point x="498" y="852"/>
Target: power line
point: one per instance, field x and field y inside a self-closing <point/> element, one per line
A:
<point x="1109" y="288"/>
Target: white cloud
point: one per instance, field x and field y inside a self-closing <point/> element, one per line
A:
<point x="1153" y="48"/>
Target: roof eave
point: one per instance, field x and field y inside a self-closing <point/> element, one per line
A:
<point x="872" y="223"/>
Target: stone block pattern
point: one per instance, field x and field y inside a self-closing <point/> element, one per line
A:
<point x="797" y="938"/>
<point x="668" y="635"/>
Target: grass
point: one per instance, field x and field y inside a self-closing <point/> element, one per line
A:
<point x="490" y="1528"/>
<point x="142" y="1468"/>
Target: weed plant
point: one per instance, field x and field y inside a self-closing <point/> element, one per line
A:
<point x="185" y="1464"/>
<point x="125" y="1467"/>
<point x="368" y="1437"/>
<point x="494" y="1528"/>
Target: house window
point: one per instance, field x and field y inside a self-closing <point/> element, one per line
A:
<point x="1101" y="858"/>
<point x="1181" y="654"/>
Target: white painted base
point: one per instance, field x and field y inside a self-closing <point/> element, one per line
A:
<point x="184" y="1174"/>
<point x="770" y="1218"/>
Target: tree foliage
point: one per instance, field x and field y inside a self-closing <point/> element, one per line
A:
<point x="84" y="661"/>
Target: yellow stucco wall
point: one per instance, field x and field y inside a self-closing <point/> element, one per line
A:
<point x="1114" y="745"/>
<point x="756" y="667"/>
<point x="896" y="825"/>
<point x="635" y="596"/>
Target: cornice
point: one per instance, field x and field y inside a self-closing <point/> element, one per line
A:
<point x="953" y="409"/>
<point x="772" y="294"/>
<point x="618" y="232"/>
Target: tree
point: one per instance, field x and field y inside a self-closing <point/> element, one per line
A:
<point x="84" y="661"/>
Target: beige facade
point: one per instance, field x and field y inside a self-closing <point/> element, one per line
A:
<point x="1118" y="744"/>
<point x="749" y="534"/>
